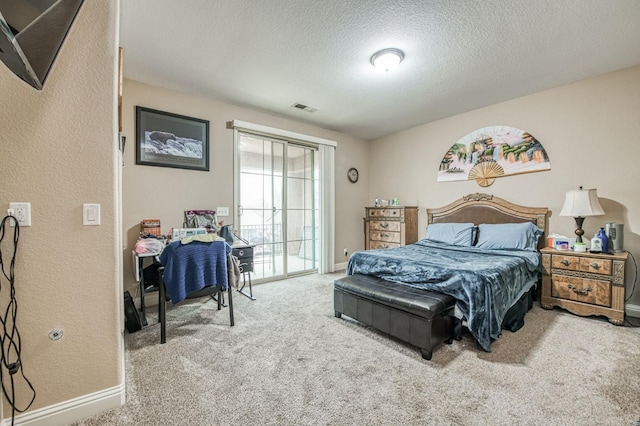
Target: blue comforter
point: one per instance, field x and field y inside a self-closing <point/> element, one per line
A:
<point x="485" y="283"/>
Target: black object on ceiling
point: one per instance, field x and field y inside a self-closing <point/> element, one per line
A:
<point x="31" y="34"/>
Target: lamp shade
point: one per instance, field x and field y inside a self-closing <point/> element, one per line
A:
<point x="581" y="203"/>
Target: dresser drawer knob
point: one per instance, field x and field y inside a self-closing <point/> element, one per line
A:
<point x="595" y="266"/>
<point x="384" y="235"/>
<point x="579" y="291"/>
<point x="241" y="252"/>
<point x="384" y="225"/>
<point x="565" y="262"/>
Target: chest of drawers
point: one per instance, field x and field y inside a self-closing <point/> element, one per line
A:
<point x="584" y="283"/>
<point x="387" y="227"/>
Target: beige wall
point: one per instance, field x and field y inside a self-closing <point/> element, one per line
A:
<point x="165" y="193"/>
<point x="589" y="129"/>
<point x="58" y="151"/>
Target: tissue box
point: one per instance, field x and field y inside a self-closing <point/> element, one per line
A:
<point x="563" y="243"/>
<point x="560" y="242"/>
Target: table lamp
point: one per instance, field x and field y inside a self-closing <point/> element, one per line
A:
<point x="580" y="203"/>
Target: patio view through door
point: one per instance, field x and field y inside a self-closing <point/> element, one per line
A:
<point x="279" y="207"/>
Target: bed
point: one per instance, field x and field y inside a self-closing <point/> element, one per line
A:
<point x="481" y="250"/>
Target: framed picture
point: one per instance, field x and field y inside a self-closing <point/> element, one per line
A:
<point x="171" y="140"/>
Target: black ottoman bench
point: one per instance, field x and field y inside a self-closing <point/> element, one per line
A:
<point x="420" y="317"/>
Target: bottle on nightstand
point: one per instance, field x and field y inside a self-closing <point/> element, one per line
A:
<point x="604" y="239"/>
<point x="596" y="244"/>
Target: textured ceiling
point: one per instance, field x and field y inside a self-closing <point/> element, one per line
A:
<point x="459" y="54"/>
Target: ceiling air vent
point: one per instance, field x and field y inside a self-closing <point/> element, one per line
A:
<point x="304" y="107"/>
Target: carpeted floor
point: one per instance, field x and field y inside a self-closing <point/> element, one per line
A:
<point x="289" y="361"/>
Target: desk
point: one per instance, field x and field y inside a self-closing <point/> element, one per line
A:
<point x="138" y="272"/>
<point x="244" y="253"/>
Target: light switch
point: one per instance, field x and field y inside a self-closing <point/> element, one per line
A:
<point x="91" y="214"/>
<point x="222" y="211"/>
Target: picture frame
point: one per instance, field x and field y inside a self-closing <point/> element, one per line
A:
<point x="165" y="139"/>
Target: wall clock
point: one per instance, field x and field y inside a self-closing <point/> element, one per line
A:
<point x="353" y="175"/>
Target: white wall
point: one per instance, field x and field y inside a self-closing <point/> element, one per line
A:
<point x="589" y="129"/>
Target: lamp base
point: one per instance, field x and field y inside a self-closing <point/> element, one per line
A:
<point x="579" y="231"/>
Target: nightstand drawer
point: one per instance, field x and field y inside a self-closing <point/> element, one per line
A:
<point x="594" y="292"/>
<point x="569" y="263"/>
<point x="382" y="245"/>
<point x="583" y="264"/>
<point x="596" y="266"/>
<point x="384" y="225"/>
<point x="384" y="212"/>
<point x="390" y="237"/>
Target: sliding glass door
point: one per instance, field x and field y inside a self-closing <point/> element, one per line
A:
<point x="302" y="209"/>
<point x="278" y="208"/>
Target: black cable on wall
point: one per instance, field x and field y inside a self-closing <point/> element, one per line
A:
<point x="11" y="362"/>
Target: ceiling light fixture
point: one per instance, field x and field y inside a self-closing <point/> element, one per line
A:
<point x="387" y="59"/>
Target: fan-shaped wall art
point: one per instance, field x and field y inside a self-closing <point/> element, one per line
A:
<point x="491" y="152"/>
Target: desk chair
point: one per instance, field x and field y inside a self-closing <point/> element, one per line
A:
<point x="192" y="270"/>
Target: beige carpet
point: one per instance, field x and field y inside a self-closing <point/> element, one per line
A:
<point x="289" y="361"/>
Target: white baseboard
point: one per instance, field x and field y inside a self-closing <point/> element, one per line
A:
<point x="72" y="410"/>
<point x="340" y="266"/>
<point x="632" y="310"/>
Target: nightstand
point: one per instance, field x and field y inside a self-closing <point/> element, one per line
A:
<point x="584" y="283"/>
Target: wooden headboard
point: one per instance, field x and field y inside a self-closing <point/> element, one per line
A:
<point x="485" y="208"/>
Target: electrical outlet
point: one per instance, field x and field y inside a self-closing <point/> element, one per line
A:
<point x="22" y="212"/>
<point x="345" y="252"/>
